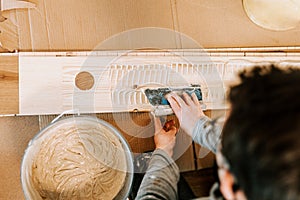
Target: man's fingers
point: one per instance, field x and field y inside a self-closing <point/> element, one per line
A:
<point x="178" y="99"/>
<point x="195" y="99"/>
<point x="172" y="131"/>
<point x="187" y="98"/>
<point x="169" y="124"/>
<point x="174" y="105"/>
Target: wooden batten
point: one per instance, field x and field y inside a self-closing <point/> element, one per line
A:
<point x="117" y="78"/>
<point x="9" y="84"/>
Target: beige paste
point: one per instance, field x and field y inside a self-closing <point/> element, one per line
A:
<point x="79" y="161"/>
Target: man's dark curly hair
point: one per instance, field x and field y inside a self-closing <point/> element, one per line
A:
<point x="261" y="137"/>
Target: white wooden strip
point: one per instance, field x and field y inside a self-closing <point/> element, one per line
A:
<point x="47" y="81"/>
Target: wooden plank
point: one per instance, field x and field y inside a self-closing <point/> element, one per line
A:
<point x="114" y="84"/>
<point x="9" y="85"/>
<point x="9" y="36"/>
<point x="117" y="77"/>
<point x="15" y="133"/>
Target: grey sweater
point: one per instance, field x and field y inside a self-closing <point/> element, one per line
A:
<point x="162" y="176"/>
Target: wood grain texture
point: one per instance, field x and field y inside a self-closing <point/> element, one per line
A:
<point x="9" y="36"/>
<point x="9" y="85"/>
<point x="119" y="79"/>
<point x="15" y="133"/>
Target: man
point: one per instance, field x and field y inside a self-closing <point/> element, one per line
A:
<point x="259" y="154"/>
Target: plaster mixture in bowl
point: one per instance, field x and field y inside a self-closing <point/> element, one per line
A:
<point x="79" y="160"/>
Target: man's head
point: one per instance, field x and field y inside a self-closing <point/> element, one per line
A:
<point x="261" y="137"/>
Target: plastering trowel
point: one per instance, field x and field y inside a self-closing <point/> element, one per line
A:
<point x="161" y="106"/>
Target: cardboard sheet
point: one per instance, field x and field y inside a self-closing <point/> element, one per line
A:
<point x="82" y="25"/>
<point x="73" y="25"/>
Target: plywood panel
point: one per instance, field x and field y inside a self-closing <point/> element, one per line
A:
<point x="15" y="133"/>
<point x="9" y="84"/>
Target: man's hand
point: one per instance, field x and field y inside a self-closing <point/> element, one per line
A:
<point x="165" y="137"/>
<point x="188" y="110"/>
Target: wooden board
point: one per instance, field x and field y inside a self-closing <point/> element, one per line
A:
<point x="9" y="84"/>
<point x="119" y="78"/>
<point x="56" y="77"/>
<point x="115" y="80"/>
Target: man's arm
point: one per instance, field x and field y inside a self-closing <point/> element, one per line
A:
<point x="162" y="176"/>
<point x="207" y="133"/>
<point x="160" y="181"/>
<point x="193" y="121"/>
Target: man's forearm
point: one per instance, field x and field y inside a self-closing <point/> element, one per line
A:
<point x="207" y="133"/>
